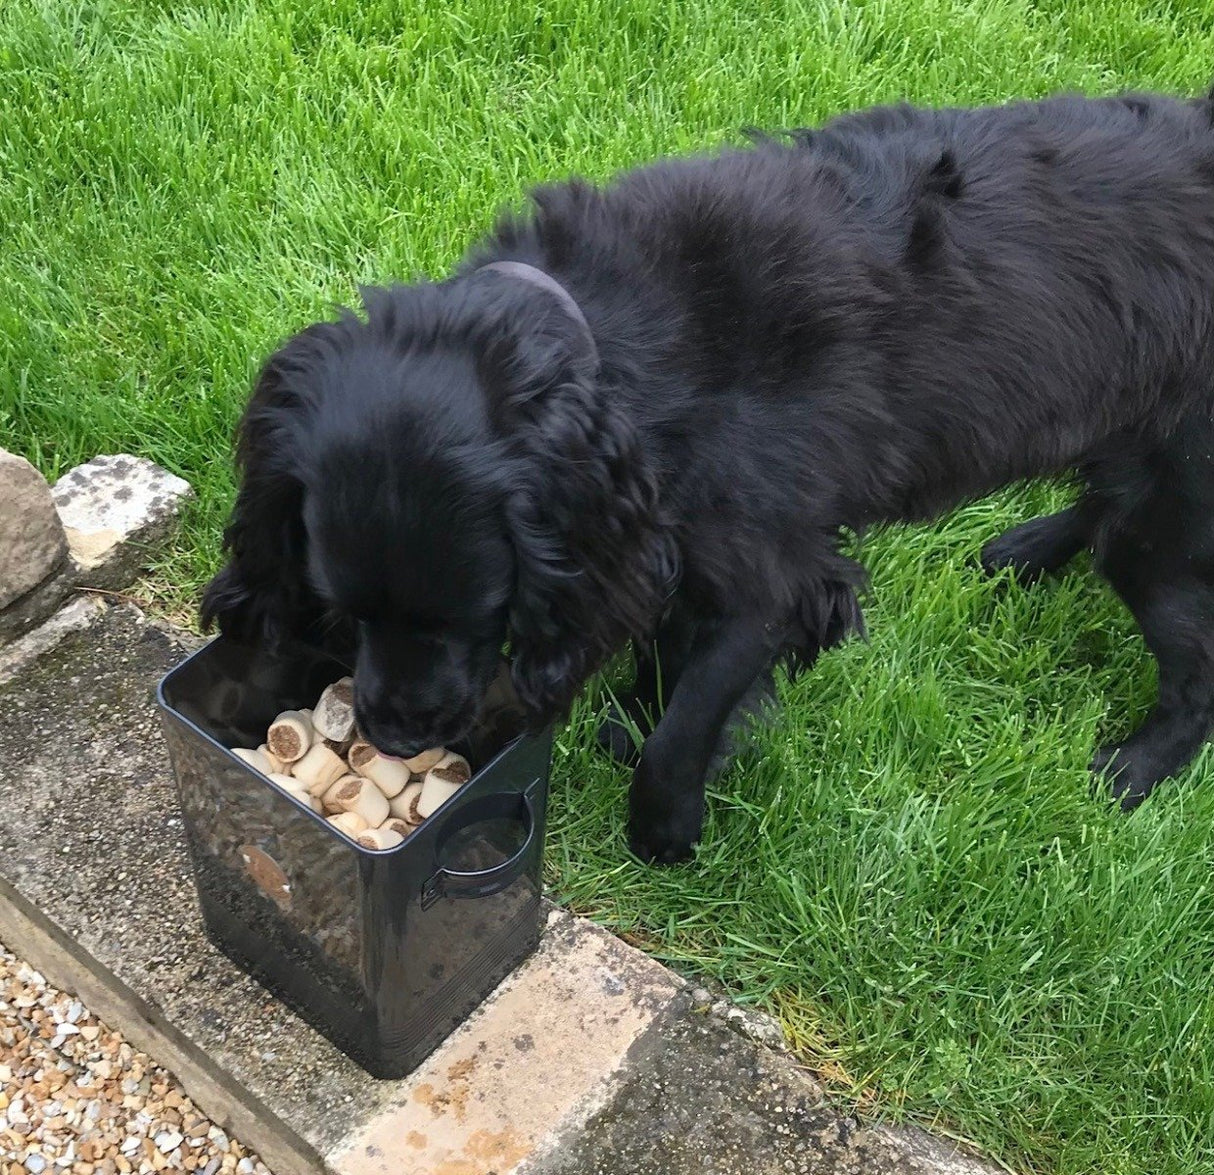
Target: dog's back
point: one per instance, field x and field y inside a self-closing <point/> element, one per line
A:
<point x="987" y="294"/>
<point x="1063" y="260"/>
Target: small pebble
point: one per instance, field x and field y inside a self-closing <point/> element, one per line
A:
<point x="76" y="1099"/>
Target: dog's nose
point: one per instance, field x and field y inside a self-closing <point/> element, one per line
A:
<point x="407" y="731"/>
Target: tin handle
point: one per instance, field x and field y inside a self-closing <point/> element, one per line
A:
<point x="482" y="883"/>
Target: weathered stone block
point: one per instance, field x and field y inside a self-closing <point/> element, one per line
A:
<point x="33" y="549"/>
<point x="32" y="544"/>
<point x="115" y="509"/>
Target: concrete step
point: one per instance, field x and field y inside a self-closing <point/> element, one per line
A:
<point x="591" y="1057"/>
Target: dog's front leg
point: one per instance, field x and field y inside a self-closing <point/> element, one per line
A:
<point x="667" y="798"/>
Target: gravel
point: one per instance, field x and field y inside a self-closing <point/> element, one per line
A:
<point x="75" y="1097"/>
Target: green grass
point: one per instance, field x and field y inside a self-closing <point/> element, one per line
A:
<point x="911" y="869"/>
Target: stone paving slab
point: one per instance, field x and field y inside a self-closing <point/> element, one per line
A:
<point x="531" y="1066"/>
<point x="710" y="1102"/>
<point x="74" y="616"/>
<point x="588" y="1052"/>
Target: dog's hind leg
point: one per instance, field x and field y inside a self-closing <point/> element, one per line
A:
<point x="1159" y="557"/>
<point x="1177" y="621"/>
<point x="1042" y="546"/>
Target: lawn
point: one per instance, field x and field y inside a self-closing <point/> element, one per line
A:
<point x="910" y="869"/>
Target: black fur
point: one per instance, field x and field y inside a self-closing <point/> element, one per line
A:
<point x="867" y="322"/>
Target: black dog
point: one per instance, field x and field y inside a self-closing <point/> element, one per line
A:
<point x="741" y="356"/>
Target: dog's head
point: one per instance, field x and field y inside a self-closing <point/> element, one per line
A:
<point x="434" y="483"/>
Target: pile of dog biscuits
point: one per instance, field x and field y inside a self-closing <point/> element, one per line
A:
<point x="319" y="757"/>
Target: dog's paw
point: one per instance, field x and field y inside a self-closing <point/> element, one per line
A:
<point x="1123" y="772"/>
<point x="1009" y="552"/>
<point x="663" y="844"/>
<point x="1033" y="549"/>
<point x="665" y="806"/>
<point x="661" y="834"/>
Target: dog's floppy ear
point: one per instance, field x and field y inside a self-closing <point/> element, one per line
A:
<point x="595" y="562"/>
<point x="261" y="595"/>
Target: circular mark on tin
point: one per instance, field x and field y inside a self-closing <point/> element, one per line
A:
<point x="267" y="873"/>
